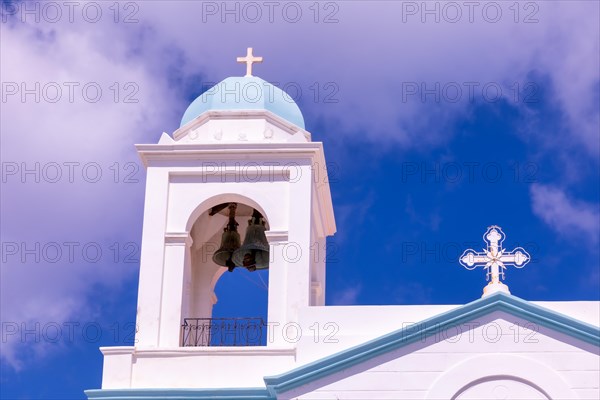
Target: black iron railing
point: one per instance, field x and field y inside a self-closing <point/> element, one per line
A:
<point x="223" y="332"/>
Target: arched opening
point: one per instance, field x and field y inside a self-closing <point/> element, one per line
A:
<point x="226" y="277"/>
<point x="506" y="375"/>
<point x="500" y="387"/>
<point x="242" y="307"/>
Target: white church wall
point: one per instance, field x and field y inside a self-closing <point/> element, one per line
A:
<point x="208" y="367"/>
<point x="329" y="329"/>
<point x="116" y="372"/>
<point x="189" y="187"/>
<point x="254" y="126"/>
<point x="495" y="347"/>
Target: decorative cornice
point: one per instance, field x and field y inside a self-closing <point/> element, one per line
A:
<point x="200" y="350"/>
<point x="227" y="151"/>
<point x="269" y="116"/>
<point x="271" y="172"/>
<point x="274" y="237"/>
<point x="216" y="351"/>
<point x="117" y="350"/>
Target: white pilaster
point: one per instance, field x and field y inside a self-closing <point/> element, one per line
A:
<point x="278" y="272"/>
<point x="151" y="257"/>
<point x="176" y="246"/>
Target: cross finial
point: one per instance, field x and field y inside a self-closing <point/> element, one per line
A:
<point x="494" y="259"/>
<point x="249" y="60"/>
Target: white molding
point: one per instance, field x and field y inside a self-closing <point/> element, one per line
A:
<point x="216" y="351"/>
<point x="117" y="350"/>
<point x="274" y="237"/>
<point x="200" y="350"/>
<point x="274" y="172"/>
<point x="178" y="239"/>
<point x="239" y="114"/>
<point x="195" y="152"/>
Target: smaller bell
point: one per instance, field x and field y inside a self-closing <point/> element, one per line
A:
<point x="230" y="241"/>
<point x="254" y="253"/>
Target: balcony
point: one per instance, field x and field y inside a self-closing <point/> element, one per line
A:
<point x="223" y="332"/>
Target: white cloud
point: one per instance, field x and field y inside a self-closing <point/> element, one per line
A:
<point x="38" y="134"/>
<point x="570" y="217"/>
<point x="372" y="64"/>
<point x="347" y="296"/>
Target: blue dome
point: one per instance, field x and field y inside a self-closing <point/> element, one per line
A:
<point x="245" y="93"/>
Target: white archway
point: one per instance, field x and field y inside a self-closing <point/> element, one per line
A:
<point x="524" y="373"/>
<point x="501" y="388"/>
<point x="201" y="274"/>
<point x="200" y="211"/>
<point x="220" y="199"/>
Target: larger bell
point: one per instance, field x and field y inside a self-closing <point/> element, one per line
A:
<point x="254" y="253"/>
<point x="230" y="241"/>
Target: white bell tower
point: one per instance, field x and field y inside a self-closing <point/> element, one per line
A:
<point x="241" y="147"/>
<point x="241" y="143"/>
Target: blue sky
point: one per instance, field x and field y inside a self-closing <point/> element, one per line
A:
<point x="436" y="124"/>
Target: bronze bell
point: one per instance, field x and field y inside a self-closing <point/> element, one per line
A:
<point x="254" y="253"/>
<point x="230" y="241"/>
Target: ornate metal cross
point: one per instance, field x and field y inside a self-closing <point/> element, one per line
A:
<point x="249" y="60"/>
<point x="494" y="259"/>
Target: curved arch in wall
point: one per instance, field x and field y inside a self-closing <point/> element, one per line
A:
<point x="501" y="387"/>
<point x="489" y="367"/>
<point x="206" y="205"/>
<point x="219" y="199"/>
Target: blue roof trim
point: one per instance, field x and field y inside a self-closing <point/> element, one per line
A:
<point x="179" y="394"/>
<point x="497" y="302"/>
